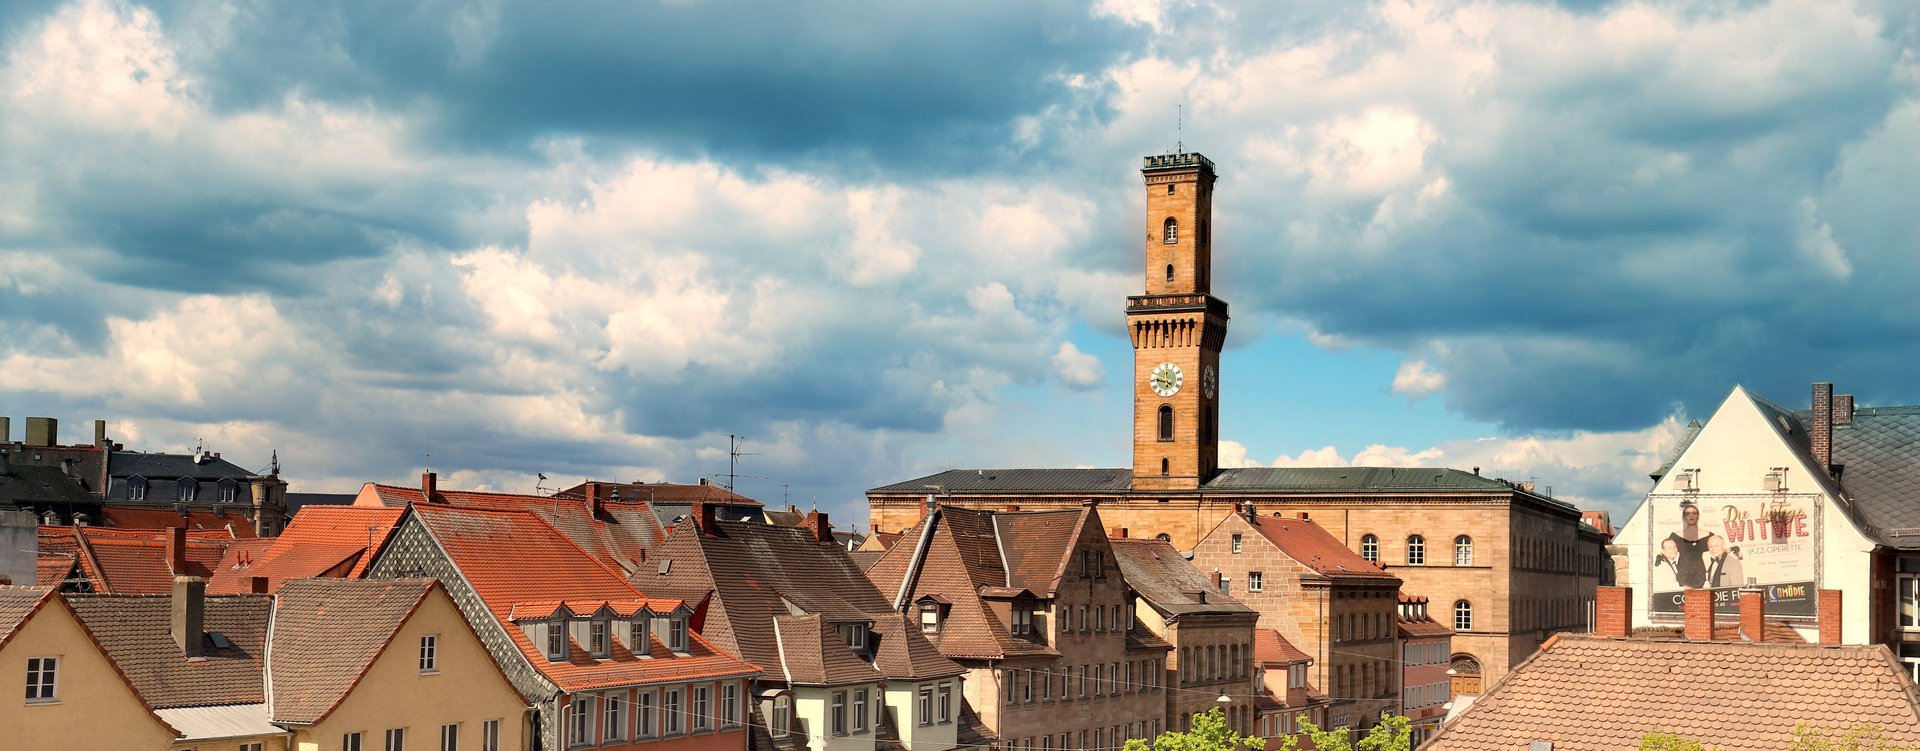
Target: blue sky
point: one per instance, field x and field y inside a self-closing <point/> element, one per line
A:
<point x="881" y="239"/>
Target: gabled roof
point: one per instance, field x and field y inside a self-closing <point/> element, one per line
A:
<point x="232" y="524"/>
<point x="1310" y="545"/>
<point x="325" y="541"/>
<point x="512" y="557"/>
<point x="326" y="634"/>
<point x="1270" y="648"/>
<point x="132" y="561"/>
<point x="18" y="603"/>
<point x="1164" y="578"/>
<point x="1591" y="693"/>
<point x="1266" y="479"/>
<point x="759" y="573"/>
<point x="136" y="633"/>
<point x="620" y="535"/>
<point x="811" y="652"/>
<point x="231" y="576"/>
<point x="1016" y="480"/>
<point x="663" y="492"/>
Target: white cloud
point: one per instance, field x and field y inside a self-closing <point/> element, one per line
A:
<point x="1078" y="370"/>
<point x="1416" y="379"/>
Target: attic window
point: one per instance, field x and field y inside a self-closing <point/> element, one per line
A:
<point x="666" y="564"/>
<point x="677" y="634"/>
<point x="219" y="640"/>
<point x="855" y="634"/>
<point x="640" y="637"/>
<point x="1022" y="620"/>
<point x="557" y="639"/>
<point x="136" y="488"/>
<point x="929" y="618"/>
<point x="188" y="488"/>
<point x="598" y="638"/>
<point x="229" y="490"/>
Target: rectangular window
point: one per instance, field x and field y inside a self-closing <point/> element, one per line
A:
<point x="839" y="713"/>
<point x="449" y="737"/>
<point x="1046" y="684"/>
<point x="1236" y="543"/>
<point x="1083" y="680"/>
<point x="43" y="679"/>
<point x="1226" y="585"/>
<point x="641" y="634"/>
<point x="1022" y="620"/>
<point x="490" y="735"/>
<point x="253" y="747"/>
<point x="677" y="635"/>
<point x="643" y="712"/>
<point x="1128" y="686"/>
<point x="1255" y="582"/>
<point x="557" y="639"/>
<point x="1066" y="618"/>
<point x="397" y="739"/>
<point x="430" y="654"/>
<point x="1909" y="587"/>
<point x="730" y="705"/>
<point x="613" y="721"/>
<point x="1083" y="618"/>
<point x="580" y="721"/>
<point x="350" y="742"/>
<point x="597" y="637"/>
<point x="1099" y="619"/>
<point x="782" y="716"/>
<point x="926" y="705"/>
<point x="860" y="711"/>
<point x="670" y="706"/>
<point x="1099" y="677"/>
<point x="929" y="618"/>
<point x="702" y="707"/>
<point x="945" y="710"/>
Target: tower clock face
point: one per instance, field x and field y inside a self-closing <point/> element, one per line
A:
<point x="1210" y="381"/>
<point x="1166" y="379"/>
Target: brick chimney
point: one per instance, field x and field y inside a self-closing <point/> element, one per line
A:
<point x="1698" y="614"/>
<point x="1753" y="615"/>
<point x="177" y="550"/>
<point x="1613" y="611"/>
<point x="1216" y="579"/>
<point x="593" y="499"/>
<point x="189" y="607"/>
<point x="429" y="487"/>
<point x="1842" y="409"/>
<point x="1822" y="436"/>
<point x="817" y="525"/>
<point x="100" y="433"/>
<point x="704" y="520"/>
<point x="1829" y="605"/>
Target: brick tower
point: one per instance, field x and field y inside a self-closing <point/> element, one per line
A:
<point x="1178" y="328"/>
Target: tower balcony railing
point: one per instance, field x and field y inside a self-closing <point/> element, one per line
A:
<point x="1208" y="303"/>
<point x="1180" y="160"/>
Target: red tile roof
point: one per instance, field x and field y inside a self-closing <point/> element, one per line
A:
<point x="1309" y="543"/>
<point x="1586" y="693"/>
<point x="514" y="557"/>
<point x="232" y="525"/>
<point x="320" y="541"/>
<point x="52" y="569"/>
<point x="1269" y="647"/>
<point x="326" y="634"/>
<point x="231" y="576"/>
<point x="620" y="535"/>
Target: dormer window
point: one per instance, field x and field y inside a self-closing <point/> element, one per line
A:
<point x="855" y="635"/>
<point x="136" y="488"/>
<point x="929" y="618"/>
<point x="642" y="637"/>
<point x="677" y="634"/>
<point x="229" y="490"/>
<point x="557" y="639"/>
<point x="598" y="638"/>
<point x="1022" y="620"/>
<point x="187" y="489"/>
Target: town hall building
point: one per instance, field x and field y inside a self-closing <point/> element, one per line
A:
<point x="1507" y="566"/>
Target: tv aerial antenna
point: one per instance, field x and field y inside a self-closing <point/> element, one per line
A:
<point x="734" y="453"/>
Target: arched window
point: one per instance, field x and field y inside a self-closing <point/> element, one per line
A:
<point x="1463" y="551"/>
<point x="229" y="490"/>
<point x="1170" y="231"/>
<point x="1163" y="537"/>
<point x="1416" y="551"/>
<point x="1370" y="548"/>
<point x="1462" y="615"/>
<point x="1169" y="272"/>
<point x="1166" y="422"/>
<point x="1166" y="468"/>
<point x="136" y="488"/>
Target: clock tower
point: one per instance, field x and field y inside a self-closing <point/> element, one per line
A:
<point x="1178" y="328"/>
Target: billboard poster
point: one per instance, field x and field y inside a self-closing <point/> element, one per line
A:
<point x="1724" y="542"/>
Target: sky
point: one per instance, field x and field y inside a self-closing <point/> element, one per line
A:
<point x="880" y="239"/>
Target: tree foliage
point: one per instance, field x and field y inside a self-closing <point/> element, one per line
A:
<point x="1209" y="733"/>
<point x="1394" y="733"/>
<point x="1858" y="737"/>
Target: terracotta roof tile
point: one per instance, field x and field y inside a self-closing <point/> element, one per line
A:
<point x="231" y="575"/>
<point x="1270" y="647"/>
<point x="1309" y="543"/>
<point x="620" y="535"/>
<point x="328" y="541"/>
<point x="327" y="632"/>
<point x="511" y="557"/>
<point x="16" y="603"/>
<point x="52" y="570"/>
<point x="135" y="631"/>
<point x="1585" y="693"/>
<point x="233" y="525"/>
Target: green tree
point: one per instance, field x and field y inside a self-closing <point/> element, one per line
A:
<point x="1660" y="740"/>
<point x="1209" y="733"/>
<point x="1394" y="733"/>
<point x="1859" y="737"/>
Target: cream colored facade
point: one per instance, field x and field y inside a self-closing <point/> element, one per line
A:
<point x="93" y="707"/>
<point x="467" y="691"/>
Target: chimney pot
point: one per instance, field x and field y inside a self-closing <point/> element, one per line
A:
<point x="1698" y="614"/>
<point x="1120" y="532"/>
<point x="189" y="610"/>
<point x="429" y="487"/>
<point x="1613" y="611"/>
<point x="1829" y="604"/>
<point x="6" y="429"/>
<point x="1753" y="615"/>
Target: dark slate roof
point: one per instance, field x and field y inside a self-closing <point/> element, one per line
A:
<point x="296" y="501"/>
<point x="1880" y="450"/>
<point x="1020" y="480"/>
<point x="209" y="467"/>
<point x="36" y="485"/>
<point x="136" y="632"/>
<point x="1164" y="578"/>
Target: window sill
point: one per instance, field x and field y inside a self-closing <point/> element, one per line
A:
<point x="42" y="702"/>
<point x="429" y="672"/>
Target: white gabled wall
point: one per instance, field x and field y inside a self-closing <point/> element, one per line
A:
<point x="1734" y="451"/>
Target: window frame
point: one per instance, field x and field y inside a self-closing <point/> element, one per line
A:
<point x="580" y="720"/>
<point x="1462" y="550"/>
<point x="599" y="638"/>
<point x="677" y="639"/>
<point x="1462" y="615"/>
<point x="700" y="708"/>
<point x="430" y="654"/>
<point x="43" y="674"/>
<point x="645" y="714"/>
<point x="613" y="715"/>
<point x="837" y="713"/>
<point x="396" y="739"/>
<point x="1170" y="231"/>
<point x="782" y="721"/>
<point x="450" y="737"/>
<point x="557" y="640"/>
<point x="1370" y="547"/>
<point x="490" y="735"/>
<point x="670" y="701"/>
<point x="351" y="741"/>
<point x="925" y="699"/>
<point x="1256" y="581"/>
<point x="730" y="705"/>
<point x="1416" y="550"/>
<point x="859" y="711"/>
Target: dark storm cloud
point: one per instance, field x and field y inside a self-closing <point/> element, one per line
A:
<point x="904" y="83"/>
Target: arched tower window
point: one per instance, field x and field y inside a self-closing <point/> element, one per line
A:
<point x="1463" y="551"/>
<point x="1462" y="615"/>
<point x="1370" y="548"/>
<point x="1170" y="231"/>
<point x="1166" y="468"/>
<point x="1166" y="422"/>
<point x="1169" y="272"/>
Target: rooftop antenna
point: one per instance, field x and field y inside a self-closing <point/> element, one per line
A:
<point x="733" y="461"/>
<point x="1179" y="129"/>
<point x="540" y="484"/>
<point x="426" y="454"/>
